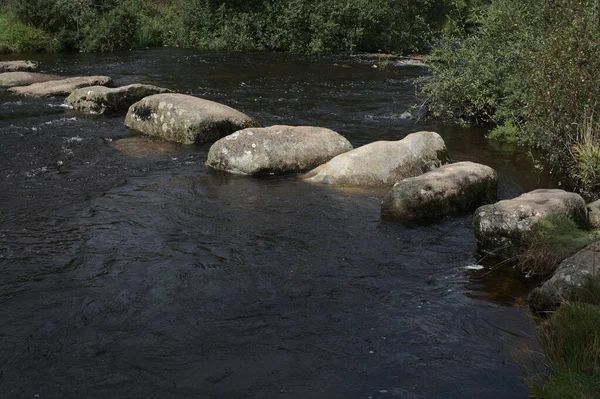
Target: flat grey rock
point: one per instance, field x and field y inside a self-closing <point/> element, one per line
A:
<point x="383" y="163"/>
<point x="62" y="87"/>
<point x="276" y="149"/>
<point x="10" y="79"/>
<point x="450" y="189"/>
<point x="107" y="100"/>
<point x="17" y="66"/>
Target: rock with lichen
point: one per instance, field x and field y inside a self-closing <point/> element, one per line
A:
<point x="503" y="229"/>
<point x="449" y="189"/>
<point x="185" y="119"/>
<point x="276" y="149"/>
<point x="383" y="163"/>
<point x="107" y="100"/>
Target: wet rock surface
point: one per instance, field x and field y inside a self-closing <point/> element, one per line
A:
<point x="9" y="79"/>
<point x="383" y="163"/>
<point x="17" y="66"/>
<point x="108" y="100"/>
<point x="185" y="119"/>
<point x="570" y="282"/>
<point x="62" y="87"/>
<point x="276" y="149"/>
<point x="450" y="189"/>
<point x="502" y="228"/>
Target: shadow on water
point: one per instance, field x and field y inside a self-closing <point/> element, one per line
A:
<point x="131" y="270"/>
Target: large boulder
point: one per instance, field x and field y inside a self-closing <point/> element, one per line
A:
<point x="450" y="189"/>
<point x="276" y="149"/>
<point x="503" y="228"/>
<point x="62" y="87"/>
<point x="106" y="100"/>
<point x="185" y="119"/>
<point x="17" y="66"/>
<point x="383" y="163"/>
<point x="10" y="79"/>
<point x="570" y="282"/>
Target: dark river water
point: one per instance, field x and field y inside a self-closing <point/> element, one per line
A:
<point x="128" y="269"/>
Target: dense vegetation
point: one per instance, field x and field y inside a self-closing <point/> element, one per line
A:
<point x="307" y="26"/>
<point x="531" y="69"/>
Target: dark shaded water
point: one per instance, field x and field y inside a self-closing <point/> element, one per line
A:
<point x="128" y="269"/>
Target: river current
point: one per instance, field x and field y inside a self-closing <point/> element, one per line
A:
<point x="128" y="269"/>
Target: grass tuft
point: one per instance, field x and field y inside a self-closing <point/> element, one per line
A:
<point x="554" y="239"/>
<point x="571" y="341"/>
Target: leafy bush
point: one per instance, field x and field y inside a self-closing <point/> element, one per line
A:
<point x="17" y="37"/>
<point x="535" y="63"/>
<point x="309" y="26"/>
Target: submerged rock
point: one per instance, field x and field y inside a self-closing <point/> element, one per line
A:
<point x="502" y="229"/>
<point x="10" y="79"/>
<point x="185" y="119"/>
<point x="62" y="87"/>
<point x="276" y="149"/>
<point x="106" y="100"/>
<point x="383" y="163"/>
<point x="450" y="189"/>
<point x="144" y="147"/>
<point x="570" y="282"/>
<point x="17" y="66"/>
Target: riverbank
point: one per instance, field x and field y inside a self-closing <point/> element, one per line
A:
<point x="314" y="27"/>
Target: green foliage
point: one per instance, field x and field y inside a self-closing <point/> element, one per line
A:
<point x="509" y="132"/>
<point x="16" y="37"/>
<point x="571" y="341"/>
<point x="95" y="25"/>
<point x="586" y="154"/>
<point x="552" y="240"/>
<point x="535" y="61"/>
<point x="304" y="26"/>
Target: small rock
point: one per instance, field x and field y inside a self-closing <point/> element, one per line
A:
<point x="594" y="214"/>
<point x="18" y="66"/>
<point x="106" y="100"/>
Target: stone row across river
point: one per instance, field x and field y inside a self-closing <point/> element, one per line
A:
<point x="424" y="186"/>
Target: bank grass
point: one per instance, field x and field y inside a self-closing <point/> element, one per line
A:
<point x="16" y="37"/>
<point x="552" y="240"/>
<point x="571" y="341"/>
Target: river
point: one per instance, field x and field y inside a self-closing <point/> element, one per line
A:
<point x="128" y="269"/>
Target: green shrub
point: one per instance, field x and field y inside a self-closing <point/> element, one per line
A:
<point x="309" y="26"/>
<point x="537" y="62"/>
<point x="509" y="132"/>
<point x="16" y="37"/>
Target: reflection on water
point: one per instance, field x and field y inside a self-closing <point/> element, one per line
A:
<point x="129" y="269"/>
